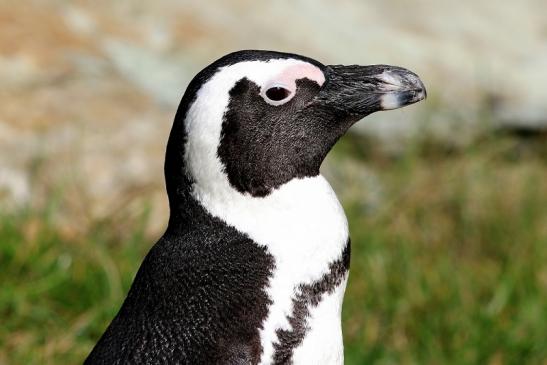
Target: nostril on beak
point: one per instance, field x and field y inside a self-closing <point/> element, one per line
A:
<point x="400" y="79"/>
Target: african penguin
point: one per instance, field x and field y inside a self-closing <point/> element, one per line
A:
<point x="253" y="265"/>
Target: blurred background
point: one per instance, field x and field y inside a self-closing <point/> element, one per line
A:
<point x="446" y="199"/>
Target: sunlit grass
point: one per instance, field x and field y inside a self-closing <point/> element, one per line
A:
<point x="58" y="292"/>
<point x="450" y="267"/>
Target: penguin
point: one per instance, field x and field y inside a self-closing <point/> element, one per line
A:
<point x="253" y="264"/>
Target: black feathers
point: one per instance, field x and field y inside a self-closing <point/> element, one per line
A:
<point x="198" y="298"/>
<point x="264" y="146"/>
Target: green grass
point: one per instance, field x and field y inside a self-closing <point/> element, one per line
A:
<point x="450" y="267"/>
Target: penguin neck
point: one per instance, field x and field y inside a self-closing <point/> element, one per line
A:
<point x="302" y="209"/>
<point x="303" y="227"/>
<point x="302" y="218"/>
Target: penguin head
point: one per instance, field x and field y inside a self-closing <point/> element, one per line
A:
<point x="254" y="120"/>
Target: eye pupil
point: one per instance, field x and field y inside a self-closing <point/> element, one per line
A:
<point x="277" y="93"/>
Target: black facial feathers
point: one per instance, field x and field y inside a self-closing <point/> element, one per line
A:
<point x="264" y="146"/>
<point x="198" y="298"/>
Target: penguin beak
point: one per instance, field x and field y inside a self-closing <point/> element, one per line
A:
<point x="358" y="91"/>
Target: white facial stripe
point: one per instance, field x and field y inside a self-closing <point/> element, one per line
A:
<point x="301" y="223"/>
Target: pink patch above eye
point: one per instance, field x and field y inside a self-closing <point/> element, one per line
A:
<point x="300" y="71"/>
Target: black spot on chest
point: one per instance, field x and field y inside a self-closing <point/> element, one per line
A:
<point x="309" y="296"/>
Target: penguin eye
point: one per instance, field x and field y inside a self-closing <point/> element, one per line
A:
<point x="277" y="94"/>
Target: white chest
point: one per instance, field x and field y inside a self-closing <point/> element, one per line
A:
<point x="304" y="228"/>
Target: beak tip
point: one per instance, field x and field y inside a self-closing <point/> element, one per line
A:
<point x="422" y="92"/>
<point x="409" y="89"/>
